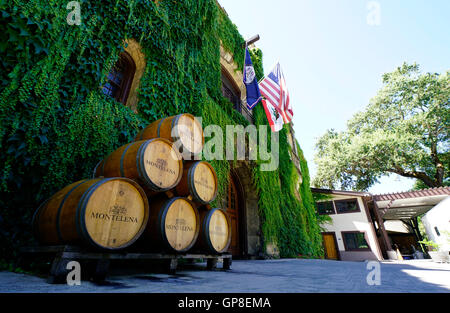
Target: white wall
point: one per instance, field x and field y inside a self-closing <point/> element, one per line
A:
<point x="357" y="221"/>
<point x="439" y="217"/>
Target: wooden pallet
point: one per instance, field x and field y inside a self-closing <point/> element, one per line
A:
<point x="62" y="255"/>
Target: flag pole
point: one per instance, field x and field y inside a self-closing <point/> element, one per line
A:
<point x="243" y="73"/>
<point x="254" y="82"/>
<point x="245" y="56"/>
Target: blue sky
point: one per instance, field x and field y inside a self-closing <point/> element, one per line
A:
<point x="333" y="59"/>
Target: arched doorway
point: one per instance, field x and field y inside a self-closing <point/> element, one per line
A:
<point x="234" y="205"/>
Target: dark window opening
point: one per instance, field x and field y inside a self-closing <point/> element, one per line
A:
<point x="346" y="206"/>
<point x="119" y="79"/>
<point x="230" y="92"/>
<point x="324" y="208"/>
<point x="437" y="231"/>
<point x="354" y="241"/>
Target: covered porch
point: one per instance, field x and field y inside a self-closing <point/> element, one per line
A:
<point x="395" y="218"/>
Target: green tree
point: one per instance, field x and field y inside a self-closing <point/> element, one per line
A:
<point x="404" y="130"/>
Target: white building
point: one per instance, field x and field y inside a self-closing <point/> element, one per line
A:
<point x="377" y="227"/>
<point x="351" y="235"/>
<point x="437" y="224"/>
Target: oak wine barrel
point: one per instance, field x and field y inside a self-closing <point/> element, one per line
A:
<point x="199" y="180"/>
<point x="215" y="231"/>
<point x="183" y="128"/>
<point x="173" y="225"/>
<point x="106" y="213"/>
<point x="154" y="163"/>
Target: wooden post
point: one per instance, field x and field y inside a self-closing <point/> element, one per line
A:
<point x="101" y="270"/>
<point x="417" y="234"/>
<point x="380" y="221"/>
<point x="227" y="263"/>
<point x="58" y="271"/>
<point x="211" y="264"/>
<point x="171" y="266"/>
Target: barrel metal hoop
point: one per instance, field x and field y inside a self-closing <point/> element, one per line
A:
<point x="140" y="165"/>
<point x="197" y="223"/>
<point x="227" y="217"/>
<point x="191" y="183"/>
<point x="173" y="128"/>
<point x="81" y="211"/>
<point x="122" y="172"/>
<point x="95" y="169"/>
<point x="58" y="212"/>
<point x="215" y="179"/>
<point x="162" y="221"/>
<point x="158" y="134"/>
<point x="36" y="217"/>
<point x="146" y="218"/>
<point x="206" y="236"/>
<point x="103" y="165"/>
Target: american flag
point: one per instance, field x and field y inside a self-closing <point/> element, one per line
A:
<point x="273" y="88"/>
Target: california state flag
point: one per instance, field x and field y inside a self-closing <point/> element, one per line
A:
<point x="273" y="116"/>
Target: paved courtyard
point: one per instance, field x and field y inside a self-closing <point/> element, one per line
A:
<point x="260" y="276"/>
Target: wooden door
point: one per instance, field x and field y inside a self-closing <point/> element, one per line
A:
<point x="233" y="213"/>
<point x="330" y="246"/>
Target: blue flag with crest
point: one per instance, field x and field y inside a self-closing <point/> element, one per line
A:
<point x="253" y="93"/>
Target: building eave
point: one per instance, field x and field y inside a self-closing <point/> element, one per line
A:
<point x="341" y="192"/>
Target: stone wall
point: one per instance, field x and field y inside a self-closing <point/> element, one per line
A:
<point x="133" y="48"/>
<point x="250" y="214"/>
<point x="251" y="218"/>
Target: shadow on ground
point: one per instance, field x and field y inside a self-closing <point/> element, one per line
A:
<point x="255" y="276"/>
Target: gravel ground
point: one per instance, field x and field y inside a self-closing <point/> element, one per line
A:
<point x="257" y="276"/>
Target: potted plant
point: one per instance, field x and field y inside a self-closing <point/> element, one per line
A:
<point x="433" y="251"/>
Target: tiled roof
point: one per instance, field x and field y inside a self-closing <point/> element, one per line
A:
<point x="413" y="194"/>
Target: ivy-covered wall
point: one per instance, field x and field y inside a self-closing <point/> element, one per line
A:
<point x="56" y="124"/>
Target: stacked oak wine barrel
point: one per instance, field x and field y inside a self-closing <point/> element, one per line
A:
<point x="144" y="193"/>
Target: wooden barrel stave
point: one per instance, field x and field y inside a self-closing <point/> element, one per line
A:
<point x="69" y="216"/>
<point x="152" y="163"/>
<point x="173" y="225"/>
<point x="47" y="217"/>
<point x="199" y="180"/>
<point x="113" y="164"/>
<point x="149" y="132"/>
<point x="215" y="232"/>
<point x="182" y="128"/>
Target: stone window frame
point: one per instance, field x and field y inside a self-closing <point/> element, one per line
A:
<point x="127" y="70"/>
<point x="135" y="51"/>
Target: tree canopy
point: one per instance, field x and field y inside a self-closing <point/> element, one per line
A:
<point x="404" y="130"/>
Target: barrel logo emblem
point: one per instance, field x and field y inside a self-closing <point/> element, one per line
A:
<point x="118" y="210"/>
